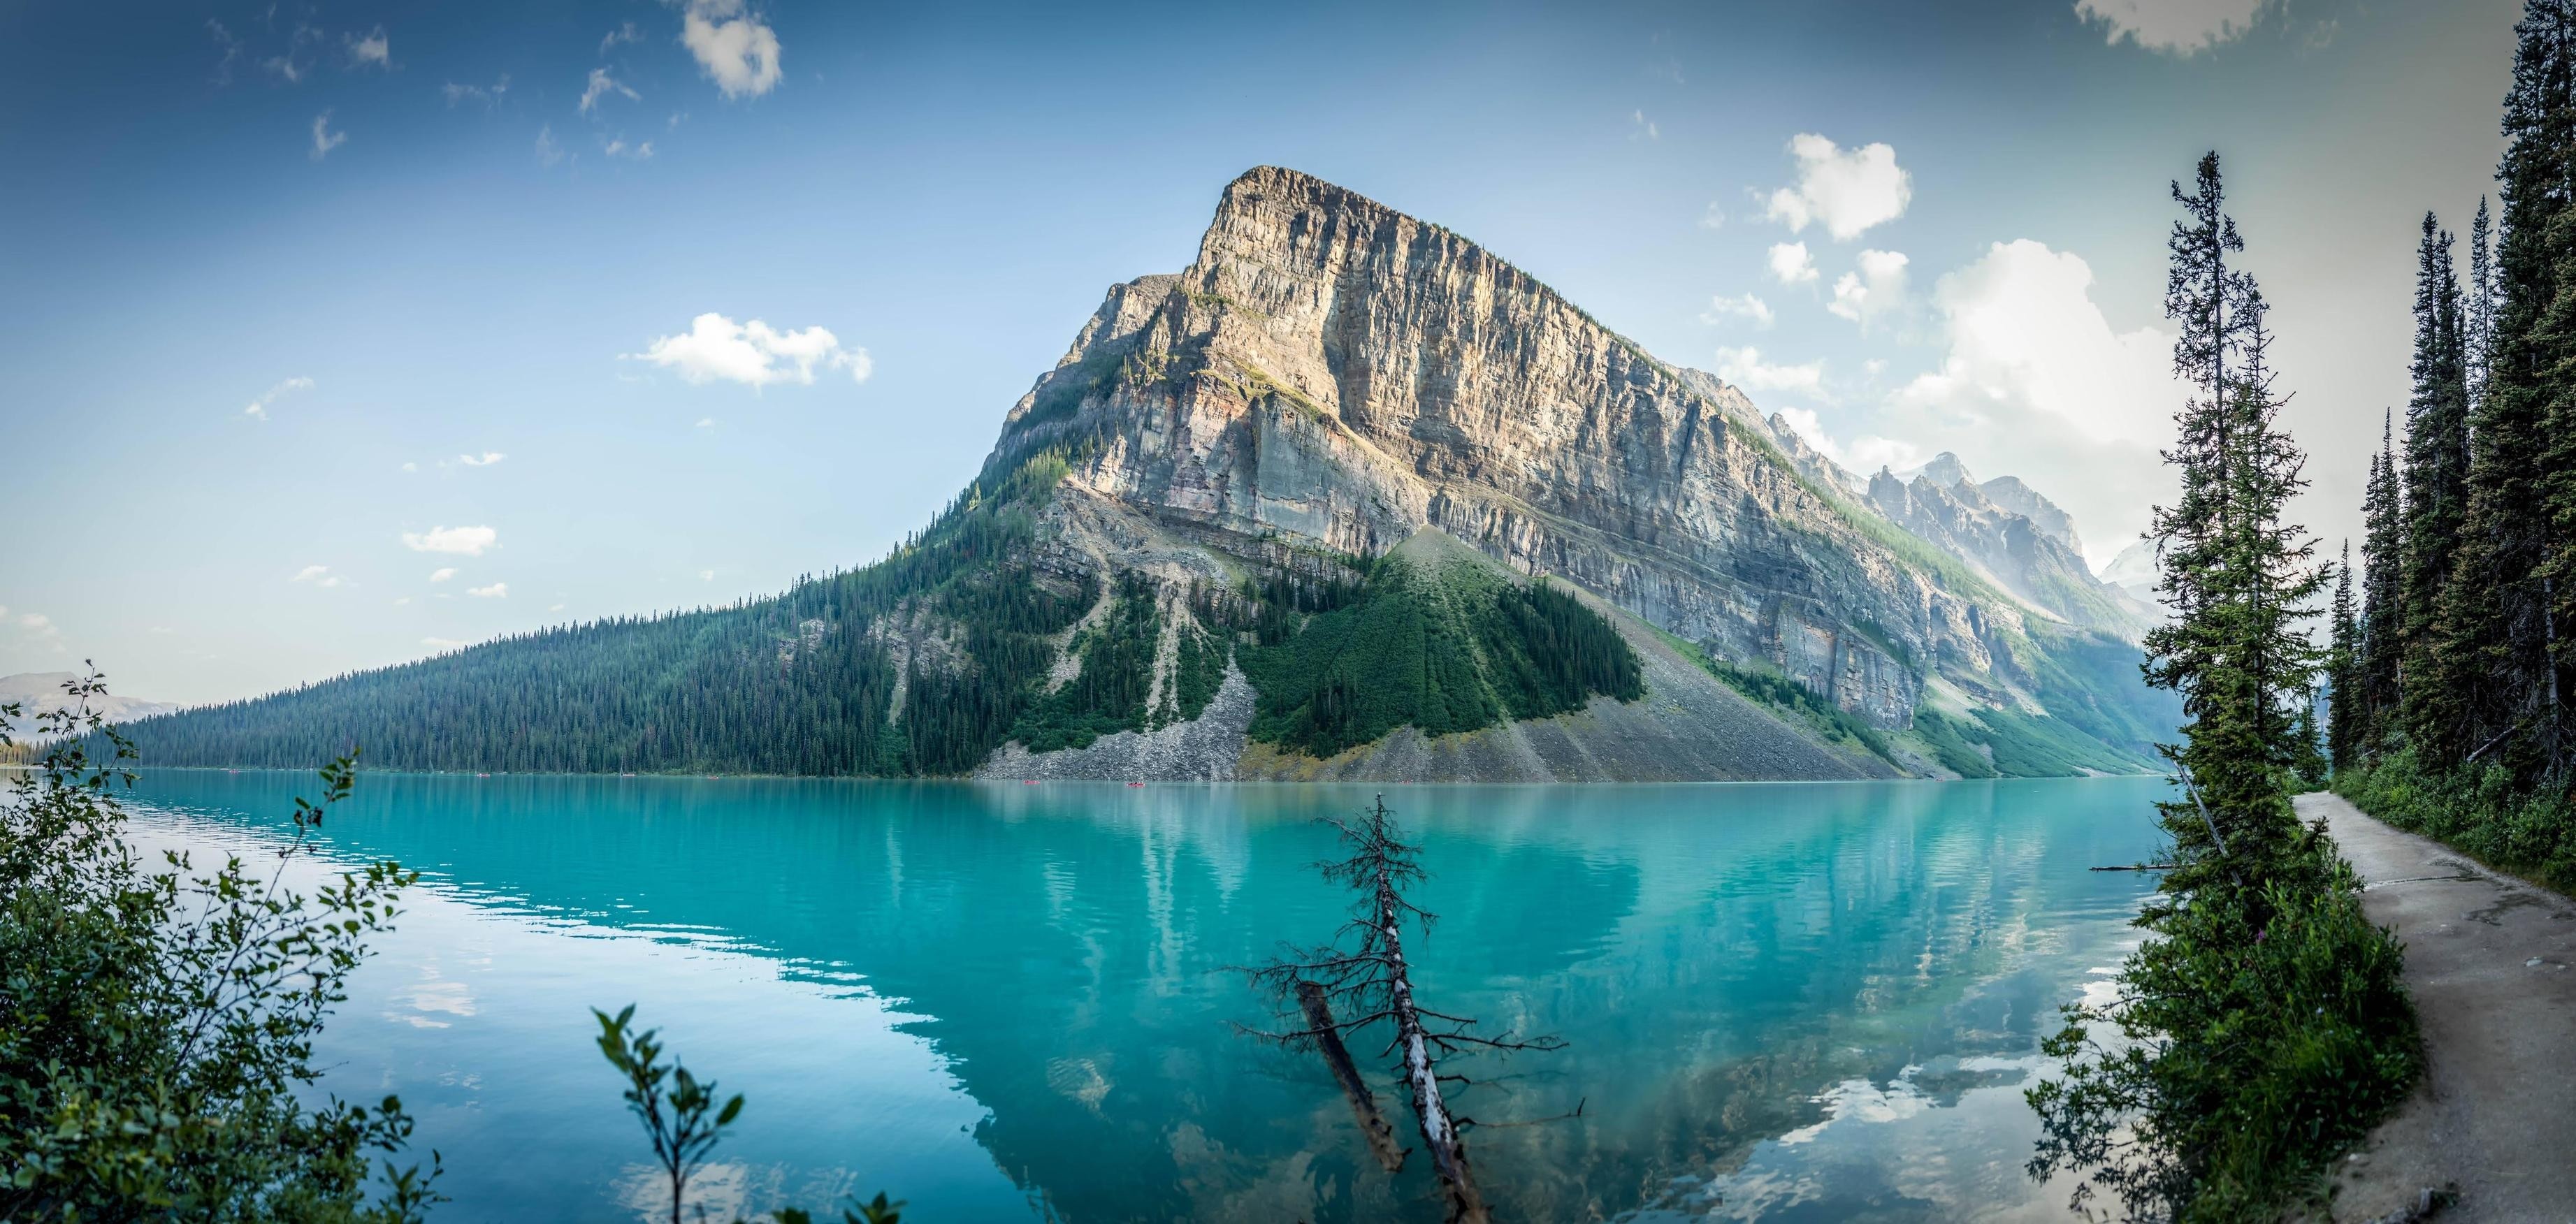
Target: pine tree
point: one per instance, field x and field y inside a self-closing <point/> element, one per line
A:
<point x="2382" y="549"/>
<point x="2236" y="575"/>
<point x="2495" y="669"/>
<point x="2344" y="717"/>
<point x="2437" y="476"/>
<point x="2478" y="343"/>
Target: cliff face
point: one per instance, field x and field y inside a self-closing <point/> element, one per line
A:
<point x="1332" y="372"/>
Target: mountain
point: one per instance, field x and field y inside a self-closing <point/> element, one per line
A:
<point x="37" y="693"/>
<point x="1348" y="497"/>
<point x="2134" y="572"/>
<point x="2027" y="547"/>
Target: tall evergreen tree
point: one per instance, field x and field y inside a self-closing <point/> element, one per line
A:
<point x="2437" y="477"/>
<point x="2382" y="550"/>
<point x="2496" y="672"/>
<point x="2236" y="576"/>
<point x="2343" y="681"/>
<point x="2479" y="315"/>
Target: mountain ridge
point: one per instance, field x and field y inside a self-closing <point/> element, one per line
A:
<point x="1232" y="457"/>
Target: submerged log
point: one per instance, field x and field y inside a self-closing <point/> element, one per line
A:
<point x="1328" y="1041"/>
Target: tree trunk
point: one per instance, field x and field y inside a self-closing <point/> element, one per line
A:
<point x="1328" y="1041"/>
<point x="1439" y="1129"/>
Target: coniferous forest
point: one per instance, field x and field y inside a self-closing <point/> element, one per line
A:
<point x="2450" y="660"/>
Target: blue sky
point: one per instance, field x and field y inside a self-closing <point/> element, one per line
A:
<point x="457" y="258"/>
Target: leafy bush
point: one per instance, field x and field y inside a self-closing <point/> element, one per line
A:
<point x="156" y="1028"/>
<point x="2476" y="809"/>
<point x="2263" y="1027"/>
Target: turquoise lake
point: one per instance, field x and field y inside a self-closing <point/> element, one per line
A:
<point x="1008" y="1002"/>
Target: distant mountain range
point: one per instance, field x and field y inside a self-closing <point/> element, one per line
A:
<point x="1348" y="497"/>
<point x="40" y="692"/>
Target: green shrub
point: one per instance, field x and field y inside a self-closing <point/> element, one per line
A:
<point x="2477" y="809"/>
<point x="2264" y="1026"/>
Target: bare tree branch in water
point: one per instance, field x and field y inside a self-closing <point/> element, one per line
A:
<point x="1362" y="978"/>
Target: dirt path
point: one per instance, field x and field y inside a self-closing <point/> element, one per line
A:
<point x="2487" y="957"/>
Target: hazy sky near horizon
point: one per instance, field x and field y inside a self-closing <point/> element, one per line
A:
<point x="341" y="333"/>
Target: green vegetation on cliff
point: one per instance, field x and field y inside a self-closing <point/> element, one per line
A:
<point x="1439" y="641"/>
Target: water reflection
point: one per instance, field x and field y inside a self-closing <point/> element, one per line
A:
<point x="1783" y="1001"/>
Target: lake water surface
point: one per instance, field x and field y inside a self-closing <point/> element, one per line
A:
<point x="1007" y="1002"/>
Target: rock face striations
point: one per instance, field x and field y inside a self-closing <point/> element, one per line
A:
<point x="1348" y="497"/>
<point x="1330" y="372"/>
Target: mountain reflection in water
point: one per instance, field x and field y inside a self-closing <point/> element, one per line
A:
<point x="1783" y="1001"/>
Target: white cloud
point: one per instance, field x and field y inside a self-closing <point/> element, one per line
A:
<point x="638" y="152"/>
<point x="2174" y="27"/>
<point x="486" y="459"/>
<point x="1866" y="454"/>
<point x="548" y="152"/>
<point x="1743" y="306"/>
<point x="258" y="409"/>
<point x="498" y="590"/>
<point x="324" y="139"/>
<point x="1790" y="263"/>
<point x="400" y="600"/>
<point x="310" y="573"/>
<point x="706" y="575"/>
<point x="232" y="48"/>
<point x="1642" y="128"/>
<point x="488" y="95"/>
<point x="737" y="49"/>
<point x="37" y="625"/>
<point x="2036" y="382"/>
<point x="443" y="645"/>
<point x="554" y="607"/>
<point x="1714" y="218"/>
<point x="1846" y="191"/>
<point x="625" y="33"/>
<point x="706" y="422"/>
<point x="1877" y="287"/>
<point x="465" y="541"/>
<point x="285" y="66"/>
<point x="1745" y="368"/>
<point x="601" y="85"/>
<point x="442" y="573"/>
<point x="754" y="354"/>
<point x="411" y="467"/>
<point x="372" y="48"/>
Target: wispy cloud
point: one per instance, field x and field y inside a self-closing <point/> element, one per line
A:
<point x="498" y="590"/>
<point x="1743" y="307"/>
<point x="601" y="85"/>
<point x="258" y="409"/>
<point x="486" y="459"/>
<point x="1745" y="368"/>
<point x="231" y="48"/>
<point x="464" y="541"/>
<point x="370" y="49"/>
<point x="625" y="33"/>
<point x="489" y="95"/>
<point x="324" y="139"/>
<point x="442" y="573"/>
<point x="318" y="575"/>
<point x="548" y="152"/>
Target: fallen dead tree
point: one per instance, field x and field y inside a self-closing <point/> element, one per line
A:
<point x="1362" y="979"/>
